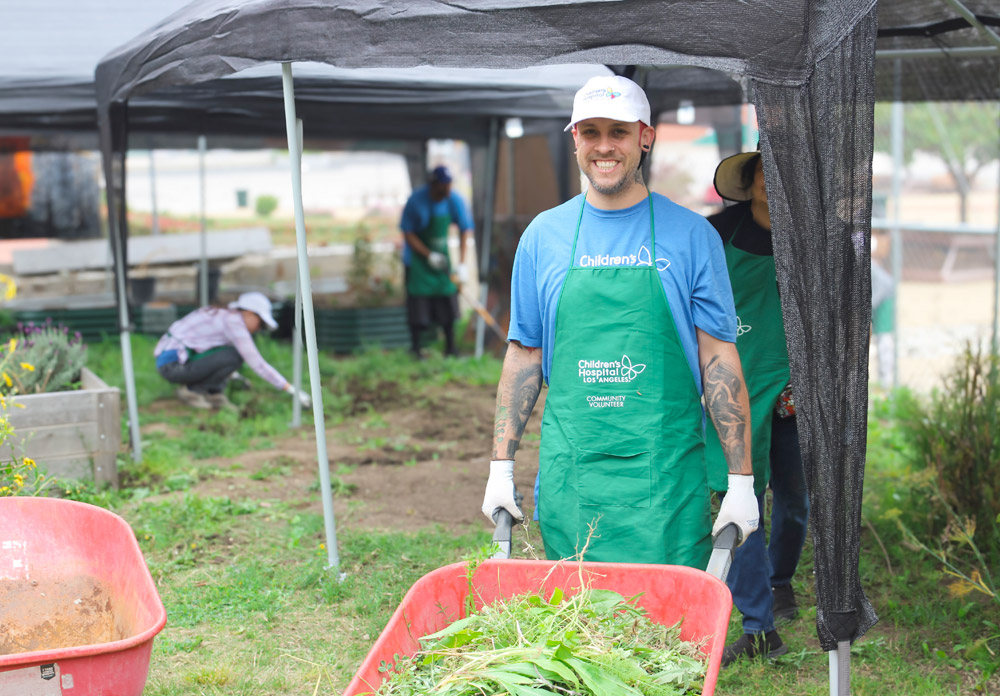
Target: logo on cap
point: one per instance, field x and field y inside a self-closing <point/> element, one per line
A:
<point x="602" y="93"/>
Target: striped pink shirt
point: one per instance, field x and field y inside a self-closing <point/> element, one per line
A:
<point x="212" y="327"/>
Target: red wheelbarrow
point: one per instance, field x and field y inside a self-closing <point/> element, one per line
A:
<point x="78" y="608"/>
<point x="698" y="599"/>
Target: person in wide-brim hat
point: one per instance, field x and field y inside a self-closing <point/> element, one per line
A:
<point x="734" y="175"/>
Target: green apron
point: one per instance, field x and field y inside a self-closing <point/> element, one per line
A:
<point x="423" y="280"/>
<point x="622" y="440"/>
<point x="760" y="340"/>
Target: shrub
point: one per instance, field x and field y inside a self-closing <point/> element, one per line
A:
<point x="957" y="436"/>
<point x="368" y="287"/>
<point x="18" y="474"/>
<point x="42" y="359"/>
<point x="266" y="204"/>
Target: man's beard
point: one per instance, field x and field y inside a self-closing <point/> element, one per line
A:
<point x="618" y="186"/>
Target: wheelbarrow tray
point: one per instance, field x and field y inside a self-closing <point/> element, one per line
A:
<point x="51" y="542"/>
<point x="669" y="594"/>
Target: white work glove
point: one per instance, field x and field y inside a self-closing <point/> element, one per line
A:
<point x="739" y="507"/>
<point x="500" y="490"/>
<point x="437" y="261"/>
<point x="302" y="396"/>
<point x="462" y="274"/>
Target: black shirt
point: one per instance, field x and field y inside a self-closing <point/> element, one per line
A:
<point x="752" y="238"/>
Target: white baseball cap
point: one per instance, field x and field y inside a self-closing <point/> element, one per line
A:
<point x="611" y="97"/>
<point x="257" y="303"/>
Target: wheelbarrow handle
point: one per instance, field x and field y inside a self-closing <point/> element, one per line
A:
<point x="723" y="546"/>
<point x="505" y="527"/>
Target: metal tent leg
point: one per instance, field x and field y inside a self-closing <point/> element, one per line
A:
<point x="312" y="353"/>
<point x="840" y="669"/>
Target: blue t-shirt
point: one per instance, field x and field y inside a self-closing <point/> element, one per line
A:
<point x="419" y="210"/>
<point x="689" y="256"/>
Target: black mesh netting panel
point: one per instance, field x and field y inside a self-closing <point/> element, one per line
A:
<point x="817" y="143"/>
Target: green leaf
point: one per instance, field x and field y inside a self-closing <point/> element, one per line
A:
<point x="557" y="667"/>
<point x="598" y="681"/>
<point x="605" y="601"/>
<point x="557" y="597"/>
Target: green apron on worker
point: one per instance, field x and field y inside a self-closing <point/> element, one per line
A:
<point x="622" y="440"/>
<point x="423" y="280"/>
<point x="760" y="340"/>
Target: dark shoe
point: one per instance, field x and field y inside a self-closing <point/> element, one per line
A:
<point x="785" y="607"/>
<point x="754" y="645"/>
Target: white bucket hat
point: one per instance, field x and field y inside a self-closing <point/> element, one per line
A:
<point x="613" y="97"/>
<point x="257" y="303"/>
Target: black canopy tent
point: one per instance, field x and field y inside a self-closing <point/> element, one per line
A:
<point x="809" y="68"/>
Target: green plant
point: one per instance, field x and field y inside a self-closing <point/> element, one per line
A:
<point x="369" y="288"/>
<point x="957" y="438"/>
<point x="44" y="358"/>
<point x="265" y="205"/>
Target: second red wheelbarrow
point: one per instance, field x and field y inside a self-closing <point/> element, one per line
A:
<point x="698" y="599"/>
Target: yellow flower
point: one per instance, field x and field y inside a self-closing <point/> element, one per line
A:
<point x="12" y="345"/>
<point x="10" y="289"/>
<point x="6" y="378"/>
<point x="29" y="462"/>
<point x="27" y="366"/>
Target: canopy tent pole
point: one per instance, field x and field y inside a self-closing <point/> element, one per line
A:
<point x="971" y="18"/>
<point x="131" y="399"/>
<point x="296" y="161"/>
<point x="312" y="353"/>
<point x="203" y="267"/>
<point x="154" y="225"/>
<point x="487" y="236"/>
<point x="996" y="280"/>
<point x="896" y="234"/>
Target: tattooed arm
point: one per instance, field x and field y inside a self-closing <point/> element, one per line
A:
<point x="520" y="384"/>
<point x="726" y="399"/>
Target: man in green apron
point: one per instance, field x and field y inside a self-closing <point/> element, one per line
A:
<point x="621" y="303"/>
<point x="431" y="293"/>
<point x="761" y="574"/>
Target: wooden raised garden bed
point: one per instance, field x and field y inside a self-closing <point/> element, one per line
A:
<point x="70" y="434"/>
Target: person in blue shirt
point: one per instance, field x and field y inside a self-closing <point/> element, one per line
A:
<point x="431" y="291"/>
<point x="621" y="303"/>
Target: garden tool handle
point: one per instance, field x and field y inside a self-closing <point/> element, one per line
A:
<point x="723" y="546"/>
<point x="505" y="527"/>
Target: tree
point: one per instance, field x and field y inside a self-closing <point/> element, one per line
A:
<point x="965" y="135"/>
<point x="266" y="204"/>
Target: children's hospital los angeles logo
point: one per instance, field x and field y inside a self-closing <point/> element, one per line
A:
<point x="609" y="371"/>
<point x="620" y="371"/>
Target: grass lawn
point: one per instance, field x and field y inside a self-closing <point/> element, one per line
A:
<point x="235" y="543"/>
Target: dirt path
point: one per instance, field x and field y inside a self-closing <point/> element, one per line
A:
<point x="404" y="467"/>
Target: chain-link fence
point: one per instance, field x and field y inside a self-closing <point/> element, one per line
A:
<point x="935" y="227"/>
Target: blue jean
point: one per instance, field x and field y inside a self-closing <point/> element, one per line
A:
<point x="758" y="565"/>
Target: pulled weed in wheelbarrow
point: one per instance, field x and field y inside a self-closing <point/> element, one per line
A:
<point x="596" y="642"/>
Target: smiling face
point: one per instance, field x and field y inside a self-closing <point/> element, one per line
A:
<point x="608" y="153"/>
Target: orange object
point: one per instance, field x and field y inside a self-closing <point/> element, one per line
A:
<point x="86" y="606"/>
<point x="16" y="183"/>
<point x="669" y="594"/>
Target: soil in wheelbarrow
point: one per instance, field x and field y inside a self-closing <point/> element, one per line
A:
<point x="56" y="613"/>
